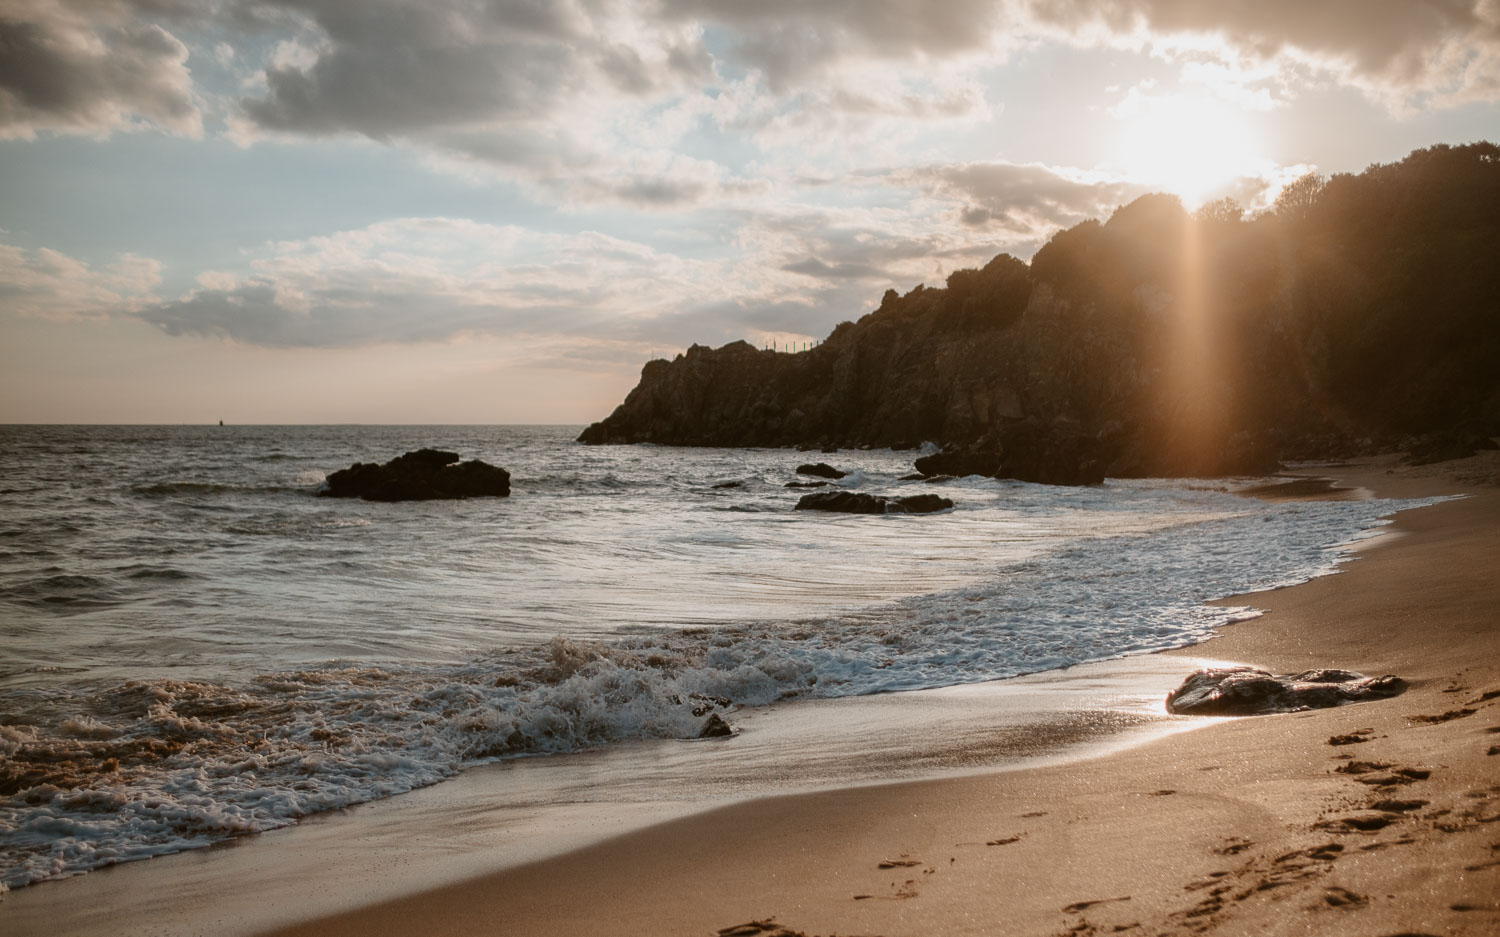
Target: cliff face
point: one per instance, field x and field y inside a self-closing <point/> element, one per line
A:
<point x="1157" y="343"/>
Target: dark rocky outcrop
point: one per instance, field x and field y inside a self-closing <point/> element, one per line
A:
<point x="423" y="475"/>
<point x="820" y="470"/>
<point x="1356" y="316"/>
<point x="853" y="502"/>
<point x="728" y="485"/>
<point x="1246" y="691"/>
<point x="807" y="484"/>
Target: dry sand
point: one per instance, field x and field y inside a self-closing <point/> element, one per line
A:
<point x="1261" y="825"/>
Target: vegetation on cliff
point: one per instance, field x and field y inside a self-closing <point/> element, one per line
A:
<point x="1362" y="310"/>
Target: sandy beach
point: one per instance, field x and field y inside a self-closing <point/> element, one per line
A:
<point x="1371" y="819"/>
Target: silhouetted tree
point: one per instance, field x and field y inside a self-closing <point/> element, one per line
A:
<point x="1297" y="199"/>
<point x="1225" y="210"/>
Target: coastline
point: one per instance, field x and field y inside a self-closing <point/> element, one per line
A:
<point x="1244" y="826"/>
<point x="801" y="858"/>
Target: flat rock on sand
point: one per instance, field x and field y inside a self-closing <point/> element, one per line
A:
<point x="1249" y="691"/>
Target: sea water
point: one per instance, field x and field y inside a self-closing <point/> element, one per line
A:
<point x="195" y="645"/>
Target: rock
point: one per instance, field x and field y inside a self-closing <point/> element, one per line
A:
<point x="918" y="504"/>
<point x="844" y="502"/>
<point x="714" y="727"/>
<point x="1444" y="447"/>
<point x="423" y="475"/>
<point x="727" y="485"/>
<point x="854" y="502"/>
<point x="820" y="470"/>
<point x="1072" y="368"/>
<point x="977" y="460"/>
<point x="1247" y="691"/>
<point x="808" y="484"/>
<point x="1055" y="454"/>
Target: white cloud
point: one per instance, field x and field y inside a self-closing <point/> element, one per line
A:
<point x="1026" y="202"/>
<point x="47" y="284"/>
<point x="1441" y="52"/>
<point x="788" y="271"/>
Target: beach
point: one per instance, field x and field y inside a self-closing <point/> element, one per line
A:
<point x="1060" y="803"/>
<point x="1253" y="825"/>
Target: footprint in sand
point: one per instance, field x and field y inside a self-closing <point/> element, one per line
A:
<point x="1396" y="778"/>
<point x="1358" y="822"/>
<point x="1233" y="846"/>
<point x="1077" y="906"/>
<point x="1448" y="716"/>
<point x="1340" y="897"/>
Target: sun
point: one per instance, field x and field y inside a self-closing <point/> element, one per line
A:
<point x="1192" y="147"/>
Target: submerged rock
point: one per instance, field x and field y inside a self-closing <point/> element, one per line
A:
<point x="714" y="727"/>
<point x="1247" y="691"/>
<point x="820" y="470"/>
<point x="851" y="502"/>
<point x="423" y="475"/>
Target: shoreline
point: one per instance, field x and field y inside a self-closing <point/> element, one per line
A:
<point x="1247" y="825"/>
<point x="492" y="818"/>
<point x="541" y="896"/>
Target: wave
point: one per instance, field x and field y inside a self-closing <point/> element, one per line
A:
<point x="178" y="489"/>
<point x="95" y="775"/>
<point x="65" y="590"/>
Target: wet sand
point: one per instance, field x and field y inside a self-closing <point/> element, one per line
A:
<point x="1373" y="819"/>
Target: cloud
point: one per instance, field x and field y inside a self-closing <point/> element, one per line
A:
<point x="1447" y="51"/>
<point x="794" y="41"/>
<point x="1027" y="202"/>
<point x="418" y="280"/>
<point x="93" y="70"/>
<point x="47" y="284"/>
<point x="431" y="279"/>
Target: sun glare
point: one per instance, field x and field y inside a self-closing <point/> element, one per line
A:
<point x="1191" y="147"/>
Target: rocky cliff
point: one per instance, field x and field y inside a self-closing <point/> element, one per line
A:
<point x="1363" y="310"/>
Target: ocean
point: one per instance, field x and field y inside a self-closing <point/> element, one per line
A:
<point x="194" y="646"/>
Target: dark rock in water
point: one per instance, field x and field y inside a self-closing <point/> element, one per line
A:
<point x="1055" y="454"/>
<point x="1247" y="691"/>
<point x="978" y="460"/>
<point x="727" y="485"/>
<point x="820" y="470"/>
<point x="807" y="484"/>
<point x="852" y="502"/>
<point x="844" y="502"/>
<point x="918" y="504"/>
<point x="423" y="475"/>
<point x="714" y="727"/>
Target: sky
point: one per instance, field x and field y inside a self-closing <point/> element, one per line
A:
<point x="495" y="211"/>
